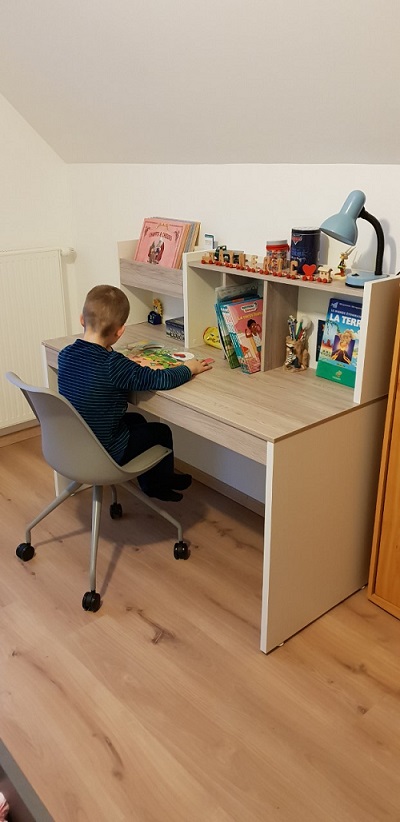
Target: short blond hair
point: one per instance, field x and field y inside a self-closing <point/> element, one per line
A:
<point x="106" y="309"/>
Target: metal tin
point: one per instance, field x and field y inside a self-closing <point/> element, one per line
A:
<point x="276" y="256"/>
<point x="304" y="249"/>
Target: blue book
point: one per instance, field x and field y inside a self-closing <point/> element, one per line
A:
<point x="338" y="353"/>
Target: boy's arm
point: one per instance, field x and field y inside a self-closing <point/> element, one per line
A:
<point x="130" y="376"/>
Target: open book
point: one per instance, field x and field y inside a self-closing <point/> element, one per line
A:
<point x="155" y="355"/>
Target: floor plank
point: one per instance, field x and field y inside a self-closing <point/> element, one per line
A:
<point x="160" y="707"/>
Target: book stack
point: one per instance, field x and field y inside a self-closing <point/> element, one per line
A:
<point x="163" y="241"/>
<point x="239" y="311"/>
<point x="338" y="353"/>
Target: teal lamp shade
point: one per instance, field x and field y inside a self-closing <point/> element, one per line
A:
<point x="342" y="226"/>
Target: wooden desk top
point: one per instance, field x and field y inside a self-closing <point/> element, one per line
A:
<point x="267" y="406"/>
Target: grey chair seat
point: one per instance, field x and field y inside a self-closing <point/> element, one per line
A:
<point x="70" y="447"/>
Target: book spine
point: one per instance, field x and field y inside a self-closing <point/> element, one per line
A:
<point x="226" y="340"/>
<point x="230" y="324"/>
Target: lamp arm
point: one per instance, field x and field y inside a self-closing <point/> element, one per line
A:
<point x="380" y="237"/>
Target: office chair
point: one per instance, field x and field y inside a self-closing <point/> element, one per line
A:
<point x="70" y="447"/>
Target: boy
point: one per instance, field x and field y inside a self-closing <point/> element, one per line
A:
<point x="97" y="380"/>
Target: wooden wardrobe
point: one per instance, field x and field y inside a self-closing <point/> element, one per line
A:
<point x="384" y="576"/>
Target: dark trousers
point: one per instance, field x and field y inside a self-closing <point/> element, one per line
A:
<point x="143" y="435"/>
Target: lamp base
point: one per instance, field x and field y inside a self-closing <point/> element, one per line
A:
<point x="358" y="280"/>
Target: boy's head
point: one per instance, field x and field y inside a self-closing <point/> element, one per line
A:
<point x="105" y="311"/>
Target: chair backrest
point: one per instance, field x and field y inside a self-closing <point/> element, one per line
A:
<point x="70" y="446"/>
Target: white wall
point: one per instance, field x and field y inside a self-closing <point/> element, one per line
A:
<point x="35" y="206"/>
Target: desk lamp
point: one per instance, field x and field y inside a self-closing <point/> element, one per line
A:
<point x="343" y="227"/>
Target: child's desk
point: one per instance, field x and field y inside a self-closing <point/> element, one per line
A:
<point x="319" y="448"/>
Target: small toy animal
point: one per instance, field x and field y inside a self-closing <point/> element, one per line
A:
<point x="297" y="355"/>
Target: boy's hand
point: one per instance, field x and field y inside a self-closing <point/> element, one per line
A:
<point x="198" y="366"/>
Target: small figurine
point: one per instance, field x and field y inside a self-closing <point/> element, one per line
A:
<point x="341" y="269"/>
<point x="155" y="316"/>
<point x="297" y="355"/>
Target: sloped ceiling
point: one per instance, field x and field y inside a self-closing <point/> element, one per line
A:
<point x="217" y="81"/>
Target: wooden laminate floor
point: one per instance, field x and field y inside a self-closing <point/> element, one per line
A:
<point x="160" y="707"/>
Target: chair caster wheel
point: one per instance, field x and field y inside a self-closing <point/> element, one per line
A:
<point x="25" y="551"/>
<point x="115" y="510"/>
<point x="181" y="551"/>
<point x="91" y="601"/>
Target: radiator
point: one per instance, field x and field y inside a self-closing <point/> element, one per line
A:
<point x="32" y="309"/>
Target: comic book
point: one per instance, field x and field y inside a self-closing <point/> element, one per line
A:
<point x="154" y="355"/>
<point x="243" y="319"/>
<point x="338" y="353"/>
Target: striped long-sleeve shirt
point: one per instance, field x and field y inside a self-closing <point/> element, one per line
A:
<point x="97" y="382"/>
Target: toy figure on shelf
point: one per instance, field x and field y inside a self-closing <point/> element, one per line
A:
<point x="155" y="316"/>
<point x="297" y="355"/>
<point x="340" y="274"/>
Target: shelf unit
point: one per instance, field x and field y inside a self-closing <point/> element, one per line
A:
<point x="282" y="298"/>
<point x="195" y="287"/>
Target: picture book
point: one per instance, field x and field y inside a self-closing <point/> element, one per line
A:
<point x="225" y="294"/>
<point x="243" y="320"/>
<point x="162" y="241"/>
<point x="339" y="344"/>
<point x="154" y="355"/>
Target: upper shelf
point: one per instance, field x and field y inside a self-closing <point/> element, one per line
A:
<point x="151" y="277"/>
<point x="148" y="276"/>
<point x="334" y="287"/>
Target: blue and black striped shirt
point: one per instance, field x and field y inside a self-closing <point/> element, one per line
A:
<point x="97" y="382"/>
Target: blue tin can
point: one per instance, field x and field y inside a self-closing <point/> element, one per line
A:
<point x="304" y="249"/>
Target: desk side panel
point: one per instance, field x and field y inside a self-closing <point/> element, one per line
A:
<point x="321" y="493"/>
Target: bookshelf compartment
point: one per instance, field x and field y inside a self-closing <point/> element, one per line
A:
<point x="283" y="297"/>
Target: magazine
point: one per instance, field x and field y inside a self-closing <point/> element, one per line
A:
<point x="154" y="355"/>
<point x="338" y="353"/>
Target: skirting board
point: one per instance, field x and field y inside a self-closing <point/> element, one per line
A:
<point x="17" y="433"/>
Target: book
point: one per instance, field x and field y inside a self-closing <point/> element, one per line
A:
<point x="154" y="355"/>
<point x="159" y="242"/>
<point x="225" y="294"/>
<point x="338" y="353"/>
<point x="226" y="340"/>
<point x="243" y="320"/>
<point x="163" y="241"/>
